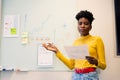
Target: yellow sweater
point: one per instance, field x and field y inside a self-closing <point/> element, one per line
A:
<point x="96" y="50"/>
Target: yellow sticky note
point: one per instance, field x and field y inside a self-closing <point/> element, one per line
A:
<point x="13" y="31"/>
<point x="24" y="34"/>
<point x="24" y="37"/>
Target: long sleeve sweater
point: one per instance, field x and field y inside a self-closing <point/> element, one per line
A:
<point x="95" y="48"/>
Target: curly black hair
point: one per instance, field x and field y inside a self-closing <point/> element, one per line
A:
<point x="85" y="14"/>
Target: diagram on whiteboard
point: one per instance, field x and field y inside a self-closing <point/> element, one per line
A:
<point x="51" y="23"/>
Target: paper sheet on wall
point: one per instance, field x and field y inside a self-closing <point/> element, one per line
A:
<point x="11" y="25"/>
<point x="45" y="57"/>
<point x="77" y="52"/>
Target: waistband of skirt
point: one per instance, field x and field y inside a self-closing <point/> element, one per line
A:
<point x="85" y="70"/>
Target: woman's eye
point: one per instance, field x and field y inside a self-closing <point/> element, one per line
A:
<point x="80" y="23"/>
<point x="86" y="23"/>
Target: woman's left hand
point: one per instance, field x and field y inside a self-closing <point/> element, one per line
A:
<point x="92" y="60"/>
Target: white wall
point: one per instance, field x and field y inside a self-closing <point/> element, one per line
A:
<point x="104" y="25"/>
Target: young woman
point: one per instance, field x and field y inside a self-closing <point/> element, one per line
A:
<point x="84" y="69"/>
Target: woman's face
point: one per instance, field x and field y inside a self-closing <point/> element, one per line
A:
<point x="84" y="26"/>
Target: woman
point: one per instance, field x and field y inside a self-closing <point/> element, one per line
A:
<point x="84" y="69"/>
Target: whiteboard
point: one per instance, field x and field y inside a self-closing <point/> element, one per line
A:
<point x="44" y="21"/>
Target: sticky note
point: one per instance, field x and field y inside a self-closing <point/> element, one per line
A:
<point x="13" y="31"/>
<point x="24" y="38"/>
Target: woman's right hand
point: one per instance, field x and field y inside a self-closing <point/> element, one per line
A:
<point x="51" y="47"/>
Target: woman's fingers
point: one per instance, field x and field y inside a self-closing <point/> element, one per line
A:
<point x="50" y="46"/>
<point x="44" y="45"/>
